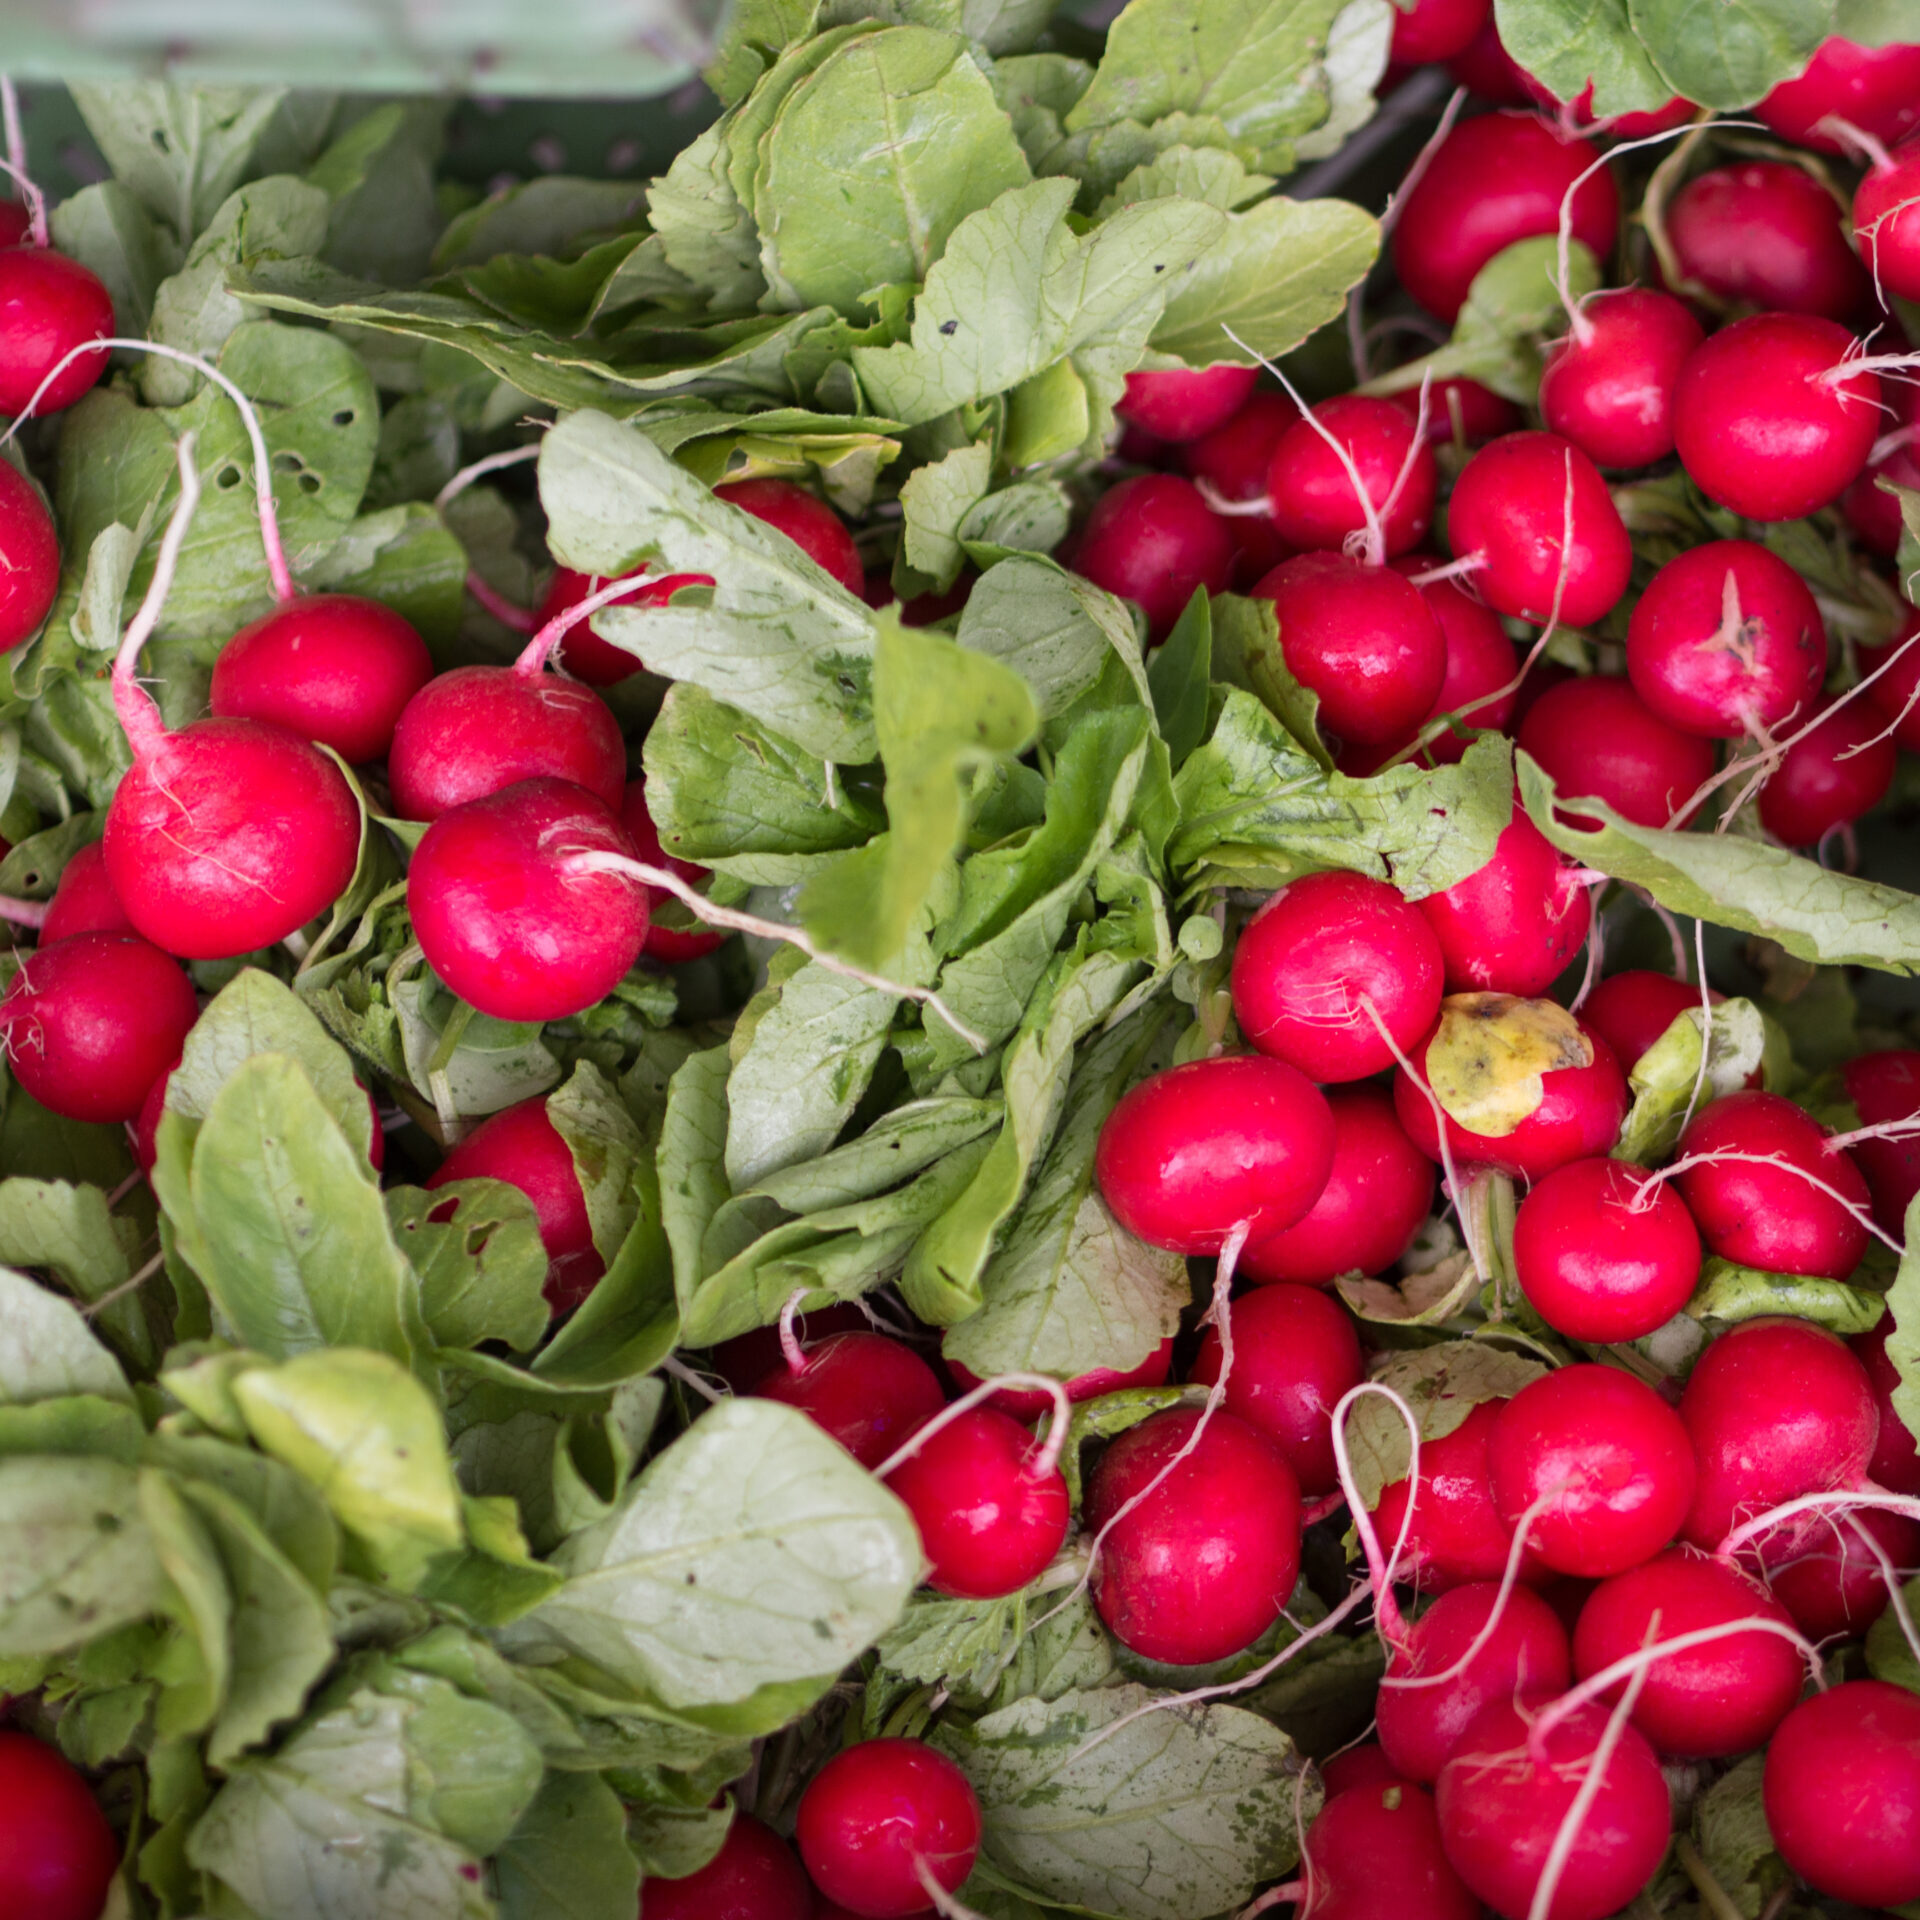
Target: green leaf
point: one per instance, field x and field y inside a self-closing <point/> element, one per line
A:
<point x="76" y="1560"/>
<point x="897" y="1146"/>
<point x="550" y="215"/>
<point x="1031" y="516"/>
<point x="1664" y="1077"/>
<point x="692" y="1161"/>
<point x="1903" y="1336"/>
<point x="494" y="1063"/>
<point x="1173" y="1815"/>
<point x="407" y="558"/>
<point x="378" y="174"/>
<point x="606" y="1147"/>
<point x="1213" y="176"/>
<point x="287" y="1508"/>
<point x="1874" y="23"/>
<point x="936" y="500"/>
<point x="1729" y="1294"/>
<point x="1727" y="54"/>
<point x="1730" y="1829"/>
<point x="70" y="1231"/>
<point x="756" y="32"/>
<point x="1359" y="45"/>
<point x="199" y="1663"/>
<point x="1180" y="674"/>
<point x="568" y="1858"/>
<point x="706" y="232"/>
<point x="754" y="1553"/>
<point x="1566" y="44"/>
<point x="482" y="1269"/>
<point x="1051" y="627"/>
<point x="47" y="1351"/>
<point x="112" y="235"/>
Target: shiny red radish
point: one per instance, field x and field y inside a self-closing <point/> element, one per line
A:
<point x="1153" y="540"/>
<point x="1180" y="404"/>
<point x="671" y="946"/>
<point x="880" y="1815"/>
<point x="1597" y="739"/>
<point x="1314" y="500"/>
<point x="1767" y="234"/>
<point x="867" y="1391"/>
<point x="58" y="1856"/>
<point x="754" y="1876"/>
<point x="49" y="307"/>
<point x="29" y="558"/>
<point x="1608" y="385"/>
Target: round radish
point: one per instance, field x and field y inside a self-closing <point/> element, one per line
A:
<point x="1607" y="1456"/>
<point x="1766" y="234"/>
<point x="1578" y="112"/>
<point x="1597" y="739"/>
<point x="991" y="1513"/>
<point x="749" y="1358"/>
<point x="669" y="945"/>
<point x="1486" y="68"/>
<point x="1525" y="1653"/>
<point x="1701" y="1703"/>
<point x="1457" y="1534"/>
<point x="1874" y="514"/>
<point x="869" y="1392"/>
<point x="1896" y="692"/>
<point x="29" y="557"/>
<point x="1191" y="1153"/>
<point x="1481" y="662"/>
<point x="1182" y="403"/>
<point x="809" y="523"/>
<point x="1314" y="500"/>
<point x="877" y="1817"/>
<point x="1876" y="89"/>
<point x="1029" y="1403"/>
<point x="1460" y="411"/>
<point x="1768" y="421"/>
<point x="1494" y="180"/>
<point x="583" y="653"/>
<point x="1842" y="1793"/>
<point x="1504" y="1794"/>
<point x="1535" y="510"/>
<point x="1514" y="925"/>
<point x="1153" y="540"/>
<point x="1431" y="30"/>
<point x="1832" y="1581"/>
<point x="1363" y="1766"/>
<point x="1884" y="1089"/>
<point x="1379" y="1191"/>
<point x="335" y="668"/>
<point x="84" y="901"/>
<point x="1603" y="1252"/>
<point x="1631" y="1010"/>
<point x="1776" y="1195"/>
<point x="1726" y="641"/>
<point x="1233" y="460"/>
<point x="1374" y="1853"/>
<point x="59" y="1857"/>
<point x="754" y="1876"/>
<point x="1295" y="1352"/>
<point x="1896" y="1461"/>
<point x="1840" y="769"/>
<point x="1886" y="221"/>
<point x="1360" y="638"/>
<point x="1203" y="1565"/>
<point x="501" y="918"/>
<point x="1774" y="1408"/>
<point x="49" y="305"/>
<point x="1608" y="385"/>
<point x="1316" y="956"/>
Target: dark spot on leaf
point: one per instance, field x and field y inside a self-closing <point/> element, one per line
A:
<point x="227" y="478"/>
<point x="949" y="326"/>
<point x="1159" y="266"/>
<point x="345" y="417"/>
<point x="692" y="1580"/>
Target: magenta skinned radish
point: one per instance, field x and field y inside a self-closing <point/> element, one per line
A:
<point x="29" y="558"/>
<point x="1872" y="512"/>
<point x="1363" y="1766"/>
<point x="1192" y="1153"/>
<point x="1896" y="1460"/>
<point x="1774" y="1408"/>
<point x="1152" y="540"/>
<point x="1603" y="1252"/>
<point x="1768" y="1190"/>
<point x="1436" y="30"/>
<point x="1766" y="234"/>
<point x="583" y="653"/>
<point x="59" y="1857"/>
<point x="991" y="1508"/>
<point x="1362" y="640"/>
<point x="92" y="1021"/>
<point x="504" y="919"/>
<point x="1232" y="461"/>
<point x="1841" y="767"/>
<point x="1842" y="1793"/>
<point x="521" y="1145"/>
<point x="1178" y="404"/>
<point x="808" y="522"/>
<point x="1876" y="89"/>
<point x="1704" y="1702"/>
<point x="1326" y="958"/>
<point x="1504" y="1794"/>
<point x="1295" y="1352"/>
<point x="881" y="1819"/>
<point x="1595" y="738"/>
<point x="1456" y="1535"/>
<point x="1727" y="641"/>
<point x="1895" y="690"/>
<point x="751" y="1357"/>
<point x="1771" y="417"/>
<point x="1494" y="180"/>
<point x="1551" y="545"/>
<point x="1312" y="494"/>
<point x="1374" y="1853"/>
<point x="1029" y="1403"/>
<point x="1886" y="220"/>
<point x="1631" y="1010"/>
<point x="1608" y="384"/>
<point x="1487" y="69"/>
<point x="1604" y="1459"/>
<point x="1379" y="1191"/>
<point x="1433" y="1690"/>
<point x="1460" y="411"/>
<point x="669" y="945"/>
<point x="1202" y="1566"/>
<point x="754" y="1876"/>
<point x="1885" y="1090"/>
<point x="1483" y="668"/>
<point x="865" y="1390"/>
<point x="50" y="306"/>
<point x="1835" y="1581"/>
<point x="84" y="901"/>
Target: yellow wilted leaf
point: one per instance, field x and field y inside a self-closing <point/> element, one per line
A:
<point x="1490" y="1053"/>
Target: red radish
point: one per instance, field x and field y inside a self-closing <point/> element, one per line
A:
<point x="1314" y="501"/>
<point x="1597" y="739"/>
<point x="1579" y="1115"/>
<point x="1182" y="403"/>
<point x="1379" y="1191"/>
<point x="1494" y="180"/>
<point x="1631" y="1010"/>
<point x="1233" y="460"/>
<point x="1459" y="410"/>
<point x="749" y="1358"/>
<point x="1597" y="1266"/>
<point x="1727" y="641"/>
<point x="1833" y="1582"/>
<point x="869" y="1392"/>
<point x="84" y="901"/>
<point x="1842" y="1793"/>
<point x="1514" y="925"/>
<point x="1885" y="1089"/>
<point x="669" y="945"/>
<point x="1608" y="385"/>
<point x="1840" y="768"/>
<point x="1767" y="234"/>
<point x="50" y="307"/>
<point x="1506" y="1792"/>
<point x="1774" y="1408"/>
<point x="1872" y="512"/>
<point x="335" y="668"/>
<point x="991" y="1508"/>
<point x="505" y="922"/>
<point x="878" y="1817"/>
<point x="1482" y="664"/>
<point x="29" y="557"/>
<point x="59" y="1857"/>
<point x="583" y="653"/>
<point x="1203" y="1565"/>
<point x="1896" y="1461"/>
<point x="1876" y="89"/>
<point x="1552" y="545"/>
<point x="1769" y="420"/>
<point x="809" y="523"/>
<point x="523" y="1147"/>
<point x="1295" y="1352"/>
<point x="16" y="222"/>
<point x="754" y="1876"/>
<point x="1366" y="1765"/>
<point x="1705" y="1702"/>
<point x="1526" y="1652"/>
<point x="1608" y="1458"/>
<point x="1432" y="30"/>
<point x="1896" y="690"/>
<point x="1886" y="220"/>
<point x="1311" y="961"/>
<point x="1152" y="540"/>
<point x="1760" y="1200"/>
<point x="1486" y="68"/>
<point x="1191" y="1153"/>
<point x="1374" y="1853"/>
<point x="144" y="1130"/>
<point x="1361" y="639"/>
<point x="1457" y="1534"/>
<point x="92" y="1021"/>
<point x="1676" y="112"/>
<point x="1029" y="1403"/>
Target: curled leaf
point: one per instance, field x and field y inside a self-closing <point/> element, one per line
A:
<point x="1489" y="1056"/>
